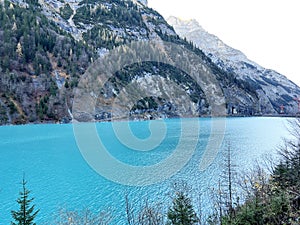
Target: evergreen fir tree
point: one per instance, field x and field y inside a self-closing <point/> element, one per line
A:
<point x="26" y="214"/>
<point x="182" y="212"/>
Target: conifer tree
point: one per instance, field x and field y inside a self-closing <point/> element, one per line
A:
<point x="182" y="212"/>
<point x="26" y="213"/>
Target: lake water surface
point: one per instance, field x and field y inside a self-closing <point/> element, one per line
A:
<point x="59" y="177"/>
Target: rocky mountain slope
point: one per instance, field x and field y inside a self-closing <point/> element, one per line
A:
<point x="275" y="93"/>
<point x="47" y="45"/>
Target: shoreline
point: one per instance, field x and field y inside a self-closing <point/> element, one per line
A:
<point x="132" y="120"/>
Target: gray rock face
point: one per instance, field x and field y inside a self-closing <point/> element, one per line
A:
<point x="144" y="2"/>
<point x="264" y="91"/>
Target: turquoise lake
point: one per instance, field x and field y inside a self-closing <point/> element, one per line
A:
<point x="59" y="177"/>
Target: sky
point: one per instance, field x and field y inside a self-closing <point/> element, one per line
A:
<point x="266" y="31"/>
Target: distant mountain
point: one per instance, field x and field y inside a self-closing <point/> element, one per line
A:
<point x="273" y="90"/>
<point x="47" y="45"/>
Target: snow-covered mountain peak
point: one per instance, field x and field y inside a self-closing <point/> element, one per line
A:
<point x="191" y="23"/>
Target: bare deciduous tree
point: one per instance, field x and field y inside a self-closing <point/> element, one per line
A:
<point x="84" y="217"/>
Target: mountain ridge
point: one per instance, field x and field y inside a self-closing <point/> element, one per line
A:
<point x="236" y="62"/>
<point x="47" y="45"/>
